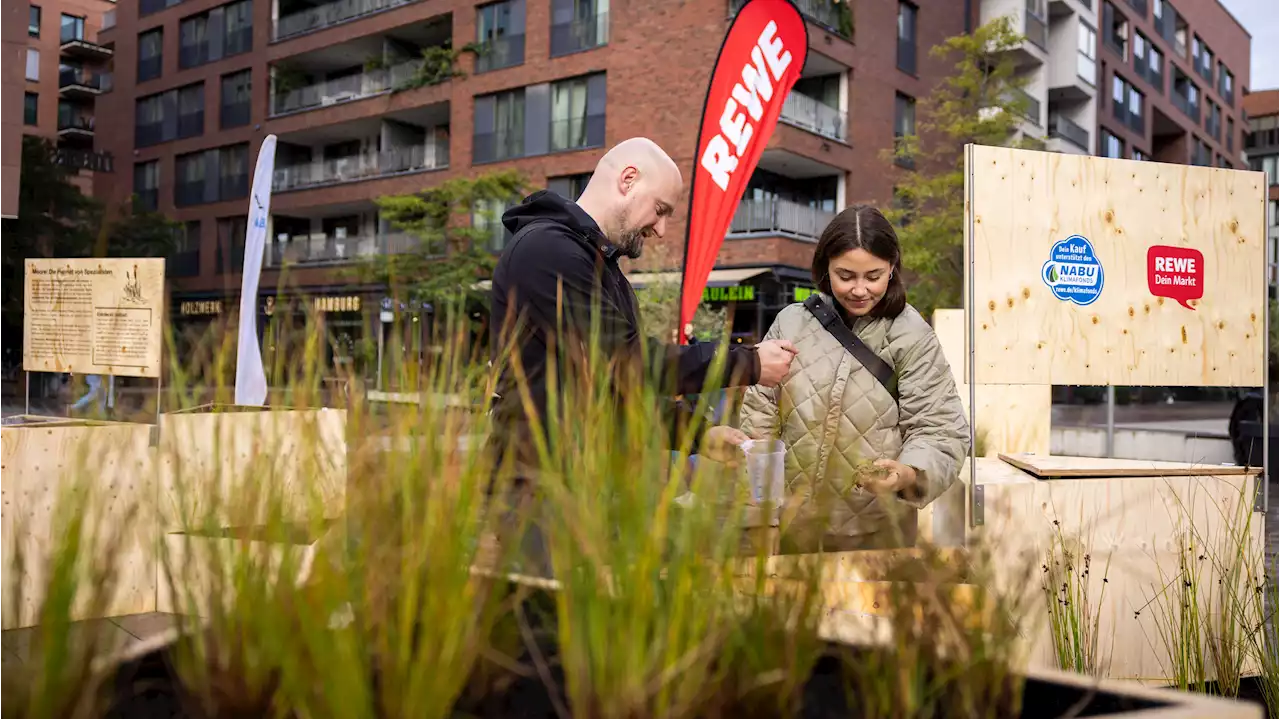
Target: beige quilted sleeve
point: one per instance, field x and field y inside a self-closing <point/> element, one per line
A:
<point x="760" y="405"/>
<point x="935" y="431"/>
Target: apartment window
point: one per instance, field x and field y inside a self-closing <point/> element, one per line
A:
<point x="214" y="175"/>
<point x="1213" y="121"/>
<point x="499" y="129"/>
<point x="185" y="259"/>
<point x="577" y="113"/>
<point x="1140" y="155"/>
<point x="1201" y="153"/>
<point x="907" y="37"/>
<point x="1115" y="29"/>
<point x="1111" y="146"/>
<point x="33" y="65"/>
<point x="150" y="54"/>
<point x="904" y="124"/>
<point x="1265" y="164"/>
<point x="233" y="175"/>
<point x="578" y="25"/>
<point x="146" y="185"/>
<point x="1184" y="93"/>
<point x="1226" y="85"/>
<point x="33" y="21"/>
<point x="72" y="28"/>
<point x="189" y="171"/>
<point x="500" y="35"/>
<point x="221" y="32"/>
<point x="231" y="234"/>
<point x="1087" y="54"/>
<point x="1202" y="58"/>
<point x="1231" y="135"/>
<point x="486" y="218"/>
<point x="234" y="111"/>
<point x="169" y="115"/>
<point x="1126" y="103"/>
<point x="30" y="109"/>
<point x="1148" y="62"/>
<point x="569" y="187"/>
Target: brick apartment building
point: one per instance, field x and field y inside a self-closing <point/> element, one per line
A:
<point x="1261" y="145"/>
<point x="199" y="83"/>
<point x="64" y="72"/>
<point x="1172" y="77"/>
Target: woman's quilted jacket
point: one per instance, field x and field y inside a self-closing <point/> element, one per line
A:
<point x="836" y="419"/>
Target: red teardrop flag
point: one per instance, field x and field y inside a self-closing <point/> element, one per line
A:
<point x="759" y="62"/>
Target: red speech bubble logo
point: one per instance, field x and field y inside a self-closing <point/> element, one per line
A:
<point x="1176" y="273"/>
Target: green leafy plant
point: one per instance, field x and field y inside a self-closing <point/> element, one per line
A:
<point x="439" y="64"/>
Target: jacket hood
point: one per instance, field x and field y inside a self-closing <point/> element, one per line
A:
<point x="547" y="205"/>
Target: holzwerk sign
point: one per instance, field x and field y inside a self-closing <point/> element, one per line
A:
<point x="759" y="62"/>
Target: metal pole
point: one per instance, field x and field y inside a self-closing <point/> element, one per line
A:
<point x="975" y="516"/>
<point x="1111" y="421"/>
<point x="27" y="373"/>
<point x="382" y="331"/>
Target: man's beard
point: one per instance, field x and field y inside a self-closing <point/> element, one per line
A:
<point x="631" y="242"/>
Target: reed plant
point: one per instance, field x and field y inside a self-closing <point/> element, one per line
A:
<point x="1074" y="612"/>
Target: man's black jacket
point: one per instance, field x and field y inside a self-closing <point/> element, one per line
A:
<point x="559" y="258"/>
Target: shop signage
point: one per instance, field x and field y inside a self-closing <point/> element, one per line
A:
<point x="347" y="303"/>
<point x="195" y="308"/>
<point x="1176" y="273"/>
<point x="802" y="293"/>
<point x="736" y="293"/>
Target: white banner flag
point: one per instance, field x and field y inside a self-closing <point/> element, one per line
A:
<point x="251" y="379"/>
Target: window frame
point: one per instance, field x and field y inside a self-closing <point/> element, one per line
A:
<point x="34" y="99"/>
<point x="33" y="61"/>
<point x="34" y="13"/>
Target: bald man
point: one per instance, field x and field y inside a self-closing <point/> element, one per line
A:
<point x="562" y="249"/>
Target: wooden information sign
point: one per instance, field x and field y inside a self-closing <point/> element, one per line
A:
<point x="93" y="316"/>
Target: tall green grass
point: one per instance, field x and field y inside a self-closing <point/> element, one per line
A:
<point x="1075" y="613"/>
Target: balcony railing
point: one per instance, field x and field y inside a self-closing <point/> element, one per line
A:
<point x="815" y="116"/>
<point x="580" y="34"/>
<point x="505" y="51"/>
<point x="234" y="114"/>
<point x="193" y="55"/>
<point x="1061" y="126"/>
<point x="233" y="187"/>
<point x="493" y="146"/>
<point x="823" y="12"/>
<point x="79" y="77"/>
<point x="361" y="167"/>
<point x="333" y="13"/>
<point x="149" y="67"/>
<point x="190" y="124"/>
<point x="238" y="41"/>
<point x="75" y="121"/>
<point x="1030" y="105"/>
<point x="321" y="249"/>
<point x="344" y="89"/>
<point x="1036" y="29"/>
<point x="781" y="217"/>
<point x="74" y="159"/>
<point x="1181" y="102"/>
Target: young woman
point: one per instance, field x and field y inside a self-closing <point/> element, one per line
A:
<point x="867" y="444"/>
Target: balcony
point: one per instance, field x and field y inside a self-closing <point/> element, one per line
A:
<point x="1181" y="102"/>
<point x="345" y="89"/>
<point x="328" y="15"/>
<point x="75" y="126"/>
<point x="810" y="114"/>
<point x="319" y="249"/>
<point x="1030" y="105"/>
<point x="76" y="82"/>
<point x="778" y="217"/>
<point x="1063" y="128"/>
<point x="74" y="45"/>
<point x="834" y="16"/>
<point x="1036" y="29"/>
<point x="361" y="167"/>
<point x="74" y="159"/>
<point x="496" y="54"/>
<point x="579" y="34"/>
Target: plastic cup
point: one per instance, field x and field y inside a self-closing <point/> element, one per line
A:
<point x="766" y="470"/>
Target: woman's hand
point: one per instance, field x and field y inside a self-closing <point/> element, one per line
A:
<point x="722" y="444"/>
<point x="897" y="477"/>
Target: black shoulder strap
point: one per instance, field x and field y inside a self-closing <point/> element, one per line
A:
<point x="830" y="320"/>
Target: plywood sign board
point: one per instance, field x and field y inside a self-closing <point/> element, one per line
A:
<point x="1093" y="271"/>
<point x="1064" y="467"/>
<point x="93" y="316"/>
<point x="1007" y="418"/>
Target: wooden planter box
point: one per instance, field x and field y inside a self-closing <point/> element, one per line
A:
<point x="1128" y="512"/>
<point x="43" y="455"/>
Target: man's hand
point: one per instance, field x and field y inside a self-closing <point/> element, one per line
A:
<point x="722" y="444"/>
<point x="775" y="361"/>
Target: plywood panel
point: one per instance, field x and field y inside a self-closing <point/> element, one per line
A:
<point x="1024" y="202"/>
<point x="113" y="462"/>
<point x="1007" y="418"/>
<point x="93" y="316"/>
<point x="1051" y="467"/>
<point x="1136" y="524"/>
<point x="241" y="469"/>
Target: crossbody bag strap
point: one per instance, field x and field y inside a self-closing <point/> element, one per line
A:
<point x="831" y="321"/>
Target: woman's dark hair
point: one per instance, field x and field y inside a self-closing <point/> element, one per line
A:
<point x="862" y="227"/>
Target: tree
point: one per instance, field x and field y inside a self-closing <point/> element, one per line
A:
<point x="981" y="103"/>
<point x="659" y="302"/>
<point x="452" y="255"/>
